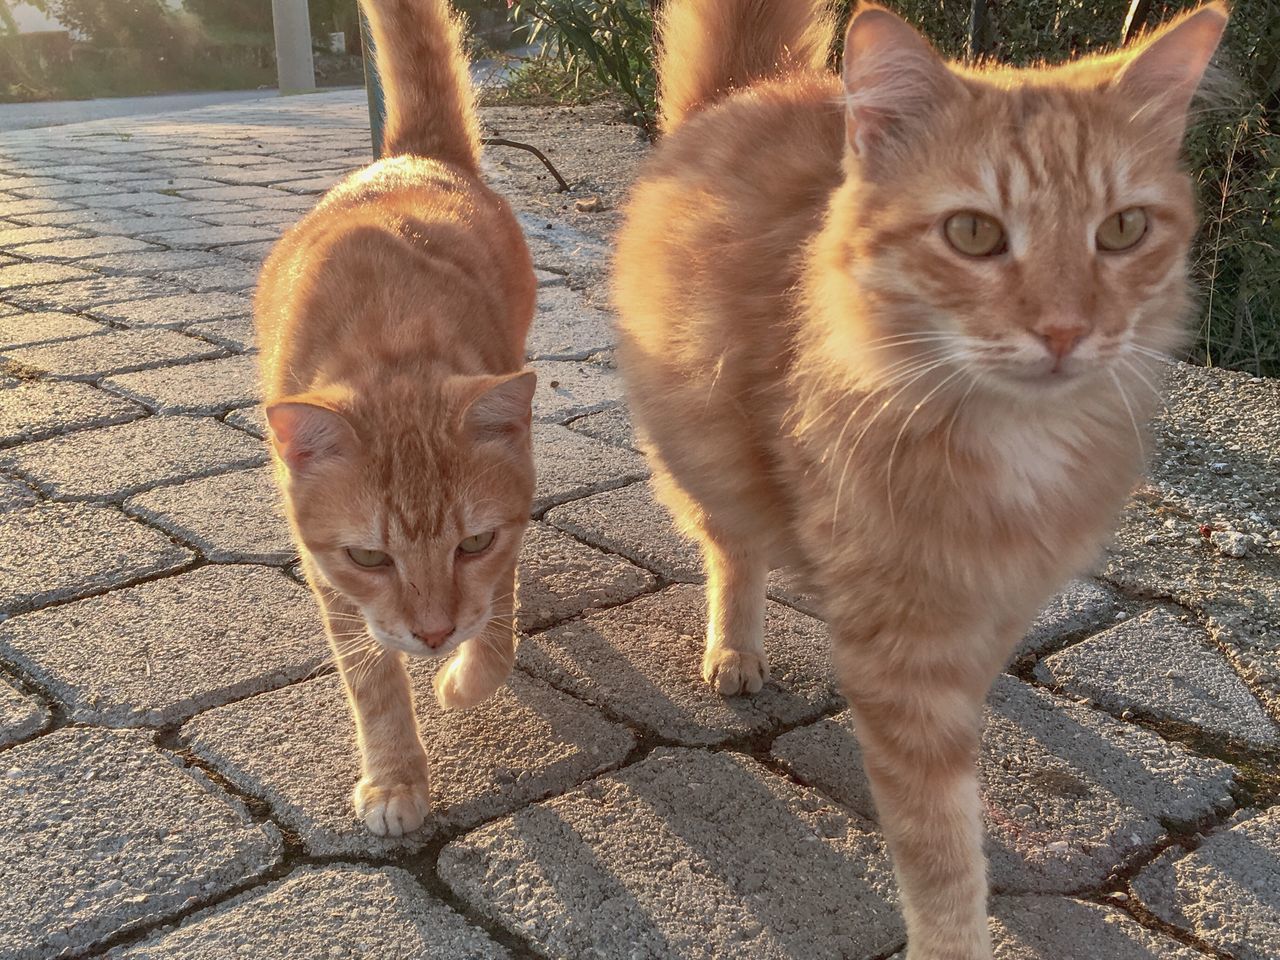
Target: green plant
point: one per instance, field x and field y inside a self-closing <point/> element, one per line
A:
<point x="611" y="38"/>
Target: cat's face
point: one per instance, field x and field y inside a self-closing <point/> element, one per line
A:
<point x="418" y="525"/>
<point x="1026" y="231"/>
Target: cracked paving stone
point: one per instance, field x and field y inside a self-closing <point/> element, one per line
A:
<point x="1069" y="794"/>
<point x="181" y="308"/>
<point x="343" y="911"/>
<point x="1164" y="669"/>
<point x="37" y="409"/>
<point x="20" y="715"/>
<point x="631" y="522"/>
<point x="1058" y="928"/>
<point x="56" y="551"/>
<point x="208" y="387"/>
<point x="161" y="651"/>
<point x="107" y="354"/>
<point x="1082" y="607"/>
<point x="685" y="854"/>
<point x="568" y="389"/>
<point x="561" y="578"/>
<point x="569" y="465"/>
<point x="23" y="329"/>
<point x="105" y="833"/>
<point x="296" y="749"/>
<point x="235" y="517"/>
<point x="1227" y="892"/>
<point x="643" y="661"/>
<point x="611" y="426"/>
<point x="114" y="462"/>
<point x="565" y="328"/>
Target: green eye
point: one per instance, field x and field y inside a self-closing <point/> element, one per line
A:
<point x="477" y="544"/>
<point x="974" y="234"/>
<point x="368" y="558"/>
<point x="1122" y="230"/>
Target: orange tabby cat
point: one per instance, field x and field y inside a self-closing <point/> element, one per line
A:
<point x="392" y="324"/>
<point x="920" y="309"/>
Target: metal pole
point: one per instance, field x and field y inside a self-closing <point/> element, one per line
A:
<point x="981" y="39"/>
<point x="295" y="69"/>
<point x="372" y="86"/>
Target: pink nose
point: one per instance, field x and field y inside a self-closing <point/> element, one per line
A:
<point x="436" y="638"/>
<point x="1061" y="339"/>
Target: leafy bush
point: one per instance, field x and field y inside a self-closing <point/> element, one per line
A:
<point x="1233" y="147"/>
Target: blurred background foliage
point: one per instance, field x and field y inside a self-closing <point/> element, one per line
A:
<point x="1233" y="146"/>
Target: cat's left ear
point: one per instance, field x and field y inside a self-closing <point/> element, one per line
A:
<point x="500" y="406"/>
<point x="1163" y="76"/>
<point x="308" y="430"/>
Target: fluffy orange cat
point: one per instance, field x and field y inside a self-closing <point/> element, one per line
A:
<point x="392" y="325"/>
<point x="920" y="308"/>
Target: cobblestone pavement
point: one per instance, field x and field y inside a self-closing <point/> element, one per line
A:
<point x="176" y="756"/>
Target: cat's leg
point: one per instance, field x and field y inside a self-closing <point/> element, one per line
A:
<point x="734" y="660"/>
<point x="483" y="663"/>
<point x="393" y="796"/>
<point x="920" y="727"/>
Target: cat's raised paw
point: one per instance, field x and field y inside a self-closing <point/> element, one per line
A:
<point x="394" y="809"/>
<point x="462" y="683"/>
<point x="732" y="672"/>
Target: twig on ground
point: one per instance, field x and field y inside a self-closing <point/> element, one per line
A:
<point x="504" y="142"/>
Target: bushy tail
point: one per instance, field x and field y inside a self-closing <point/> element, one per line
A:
<point x="710" y="47"/>
<point x="424" y="74"/>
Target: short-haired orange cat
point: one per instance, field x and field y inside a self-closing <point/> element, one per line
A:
<point x="392" y="325"/>
<point x="901" y="328"/>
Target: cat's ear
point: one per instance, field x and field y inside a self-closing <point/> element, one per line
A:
<point x="1162" y="77"/>
<point x="501" y="406"/>
<point x="893" y="81"/>
<point x="308" y="430"/>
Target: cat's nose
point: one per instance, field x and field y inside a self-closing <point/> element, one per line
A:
<point x="1061" y="338"/>
<point x="435" y="639"/>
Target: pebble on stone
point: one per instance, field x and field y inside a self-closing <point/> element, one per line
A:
<point x="644" y="661"/>
<point x="1164" y="669"/>
<point x="1070" y="794"/>
<point x="103" y="833"/>
<point x="568" y="389"/>
<point x="164" y="650"/>
<point x="341" y="911"/>
<point x="1227" y="892"/>
<point x="685" y="854"/>
<point x="296" y="749"/>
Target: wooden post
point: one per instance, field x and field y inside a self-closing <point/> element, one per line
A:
<point x="295" y="69"/>
<point x="1135" y="20"/>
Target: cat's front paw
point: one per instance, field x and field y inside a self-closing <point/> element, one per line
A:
<point x="732" y="672"/>
<point x="393" y="809"/>
<point x="463" y="682"/>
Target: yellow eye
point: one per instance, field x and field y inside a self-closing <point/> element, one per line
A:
<point x="1123" y="230"/>
<point x="368" y="558"/>
<point x="975" y="234"/>
<point x="477" y="544"/>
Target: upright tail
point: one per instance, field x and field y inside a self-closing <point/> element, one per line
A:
<point x="430" y="109"/>
<point x="709" y="47"/>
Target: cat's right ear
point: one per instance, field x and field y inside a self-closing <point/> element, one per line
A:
<point x="893" y="81"/>
<point x="500" y="406"/>
<point x="307" y="431"/>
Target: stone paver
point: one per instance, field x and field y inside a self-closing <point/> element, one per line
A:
<point x="14" y="495"/>
<point x="250" y="419"/>
<point x="1058" y="928"/>
<point x="1225" y="892"/>
<point x="567" y="389"/>
<point x="1081" y="608"/>
<point x="235" y="333"/>
<point x="56" y="551"/>
<point x="643" y="661"/>
<point x="565" y="328"/>
<point x="612" y="426"/>
<point x="343" y="911"/>
<point x="296" y="749"/>
<point x="85" y="292"/>
<point x="208" y="387"/>
<point x="37" y="409"/>
<point x="1070" y="794"/>
<point x="570" y="465"/>
<point x="161" y="651"/>
<point x="20" y="715"/>
<point x="686" y="854"/>
<point x="1163" y="668"/>
<point x="104" y="832"/>
<point x="232" y="517"/>
<point x="115" y="462"/>
<point x="116" y="352"/>
<point x="22" y="329"/>
<point x="560" y="578"/>
<point x="176" y="310"/>
<point x="27" y="274"/>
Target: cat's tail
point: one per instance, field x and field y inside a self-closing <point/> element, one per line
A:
<point x="709" y="47"/>
<point x="429" y="97"/>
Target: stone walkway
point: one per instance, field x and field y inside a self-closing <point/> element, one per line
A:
<point x="176" y="757"/>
